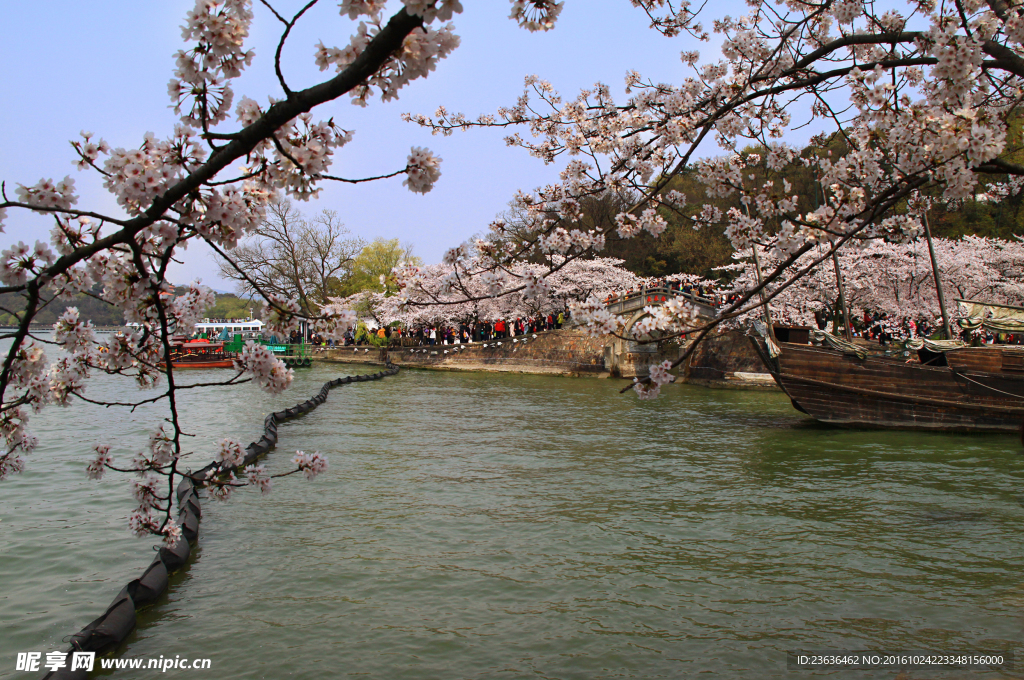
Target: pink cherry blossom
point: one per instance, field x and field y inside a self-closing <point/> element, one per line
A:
<point x="311" y="464"/>
<point x="98" y="465"/>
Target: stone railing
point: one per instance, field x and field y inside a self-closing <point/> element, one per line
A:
<point x="638" y="299"/>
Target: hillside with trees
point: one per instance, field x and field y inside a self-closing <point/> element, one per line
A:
<point x="104" y="314"/>
<point x="89" y="305"/>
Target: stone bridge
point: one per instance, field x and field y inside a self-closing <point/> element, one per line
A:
<point x="632" y="304"/>
<point x="628" y="358"/>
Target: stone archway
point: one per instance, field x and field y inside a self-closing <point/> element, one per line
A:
<point x="636" y="316"/>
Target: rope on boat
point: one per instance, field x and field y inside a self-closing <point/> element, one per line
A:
<point x="118" y="621"/>
<point x="963" y="375"/>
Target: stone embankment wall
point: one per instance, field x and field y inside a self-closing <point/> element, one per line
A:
<point x="361" y="354"/>
<point x="728" y="360"/>
<point x="562" y="352"/>
<point x="724" y="360"/>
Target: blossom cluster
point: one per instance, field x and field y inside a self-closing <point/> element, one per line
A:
<point x="267" y="371"/>
<point x="422" y="170"/>
<point x="189" y="309"/>
<point x="658" y="375"/>
<point x="20" y="261"/>
<point x="137" y="176"/>
<point x="536" y="15"/>
<point x="311" y="464"/>
<point x="230" y="453"/>
<point x="200" y="89"/>
<point x="256" y="475"/>
<point x="98" y="465"/>
<point x="593" y="316"/>
<point x="49" y="194"/>
<point x="299" y="153"/>
<point x="895" y="279"/>
<point x="421" y="51"/>
<point x="144" y="519"/>
<point x="471" y="287"/>
<point x="334" y="321"/>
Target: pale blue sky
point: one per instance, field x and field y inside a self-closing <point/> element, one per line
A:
<point x="104" y="66"/>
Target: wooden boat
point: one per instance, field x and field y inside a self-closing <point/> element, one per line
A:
<point x="200" y="354"/>
<point x="980" y="389"/>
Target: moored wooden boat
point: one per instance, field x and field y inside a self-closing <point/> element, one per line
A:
<point x="981" y="389"/>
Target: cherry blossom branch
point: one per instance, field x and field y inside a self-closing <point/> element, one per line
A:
<point x="377" y="52"/>
<point x="284" y="36"/>
<point x="135" y="404"/>
<point x="365" y="179"/>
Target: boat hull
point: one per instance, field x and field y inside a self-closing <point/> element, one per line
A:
<point x="226" y="363"/>
<point x="882" y="392"/>
<point x="223" y="363"/>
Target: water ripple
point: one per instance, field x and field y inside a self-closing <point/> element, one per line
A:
<point x="499" y="526"/>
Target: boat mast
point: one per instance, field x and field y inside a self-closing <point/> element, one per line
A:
<point x="757" y="270"/>
<point x="938" y="279"/>
<point x="842" y="298"/>
<point x="764" y="302"/>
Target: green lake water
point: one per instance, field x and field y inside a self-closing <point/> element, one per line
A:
<point x="477" y="525"/>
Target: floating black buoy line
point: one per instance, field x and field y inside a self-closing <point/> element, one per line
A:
<point x="117" y="622"/>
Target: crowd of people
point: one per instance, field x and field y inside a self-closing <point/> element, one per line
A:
<point x="880" y="327"/>
<point x="873" y="326"/>
<point x="443" y="334"/>
<point x="427" y="334"/>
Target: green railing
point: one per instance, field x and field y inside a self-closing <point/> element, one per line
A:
<point x="236" y="344"/>
<point x="290" y="350"/>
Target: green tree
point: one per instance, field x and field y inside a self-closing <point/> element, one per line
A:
<point x="377" y="259"/>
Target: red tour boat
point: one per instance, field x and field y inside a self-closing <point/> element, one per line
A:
<point x="199" y="354"/>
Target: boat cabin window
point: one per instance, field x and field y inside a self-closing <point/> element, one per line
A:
<point x="800" y="335"/>
<point x="932" y="358"/>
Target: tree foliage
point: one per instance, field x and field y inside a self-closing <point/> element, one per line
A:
<point x="372" y="268"/>
<point x="897" y="279"/>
